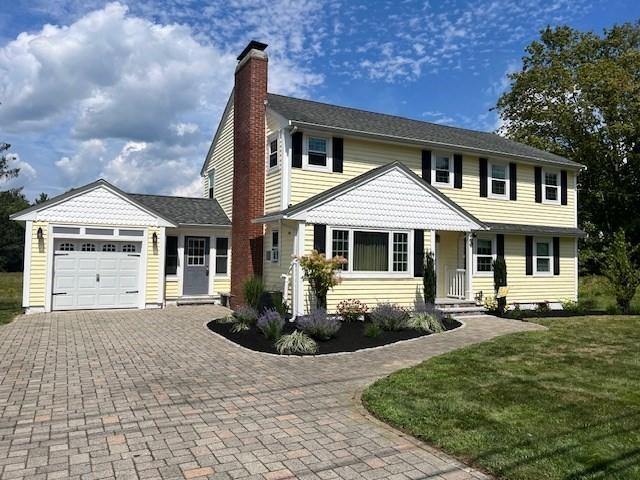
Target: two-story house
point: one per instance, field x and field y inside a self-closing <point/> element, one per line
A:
<point x="285" y="176"/>
<point x="380" y="190"/>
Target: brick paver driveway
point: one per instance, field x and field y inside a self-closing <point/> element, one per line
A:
<point x="154" y="394"/>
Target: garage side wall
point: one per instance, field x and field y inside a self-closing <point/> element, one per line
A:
<point x="154" y="254"/>
<point x="38" y="266"/>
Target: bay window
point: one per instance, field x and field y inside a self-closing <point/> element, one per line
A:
<point x="369" y="251"/>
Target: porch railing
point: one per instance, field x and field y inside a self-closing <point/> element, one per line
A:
<point x="456" y="282"/>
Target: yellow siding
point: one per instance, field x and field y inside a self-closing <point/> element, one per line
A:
<point x="221" y="285"/>
<point x="271" y="274"/>
<point x="171" y="288"/>
<point x="362" y="155"/>
<point x="221" y="160"/>
<point x="153" y="265"/>
<point x="527" y="288"/>
<point x="38" y="277"/>
<point x="403" y="291"/>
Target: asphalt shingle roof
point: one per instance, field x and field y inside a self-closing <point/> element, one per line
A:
<point x="333" y="116"/>
<point x="185" y="210"/>
<point x="516" y="228"/>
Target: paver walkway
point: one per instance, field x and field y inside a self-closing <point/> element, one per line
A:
<point x="154" y="394"/>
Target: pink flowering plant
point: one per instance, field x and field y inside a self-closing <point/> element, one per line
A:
<point x="352" y="310"/>
<point x="322" y="273"/>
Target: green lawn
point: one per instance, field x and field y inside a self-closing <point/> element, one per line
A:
<point x="559" y="404"/>
<point x="10" y="295"/>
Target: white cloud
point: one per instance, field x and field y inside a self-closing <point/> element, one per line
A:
<point x="27" y="172"/>
<point x="134" y="99"/>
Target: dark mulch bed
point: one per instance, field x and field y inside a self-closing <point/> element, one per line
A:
<point x="350" y="337"/>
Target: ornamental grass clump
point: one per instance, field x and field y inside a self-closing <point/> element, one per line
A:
<point x="244" y="318"/>
<point x="389" y="316"/>
<point x="271" y="324"/>
<point x="352" y="310"/>
<point x="319" y="325"/>
<point x="426" y="322"/>
<point x="296" y="343"/>
<point x="253" y="290"/>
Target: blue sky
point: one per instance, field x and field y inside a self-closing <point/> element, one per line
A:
<point x="133" y="91"/>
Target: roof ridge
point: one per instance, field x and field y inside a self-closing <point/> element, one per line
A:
<point x="168" y="196"/>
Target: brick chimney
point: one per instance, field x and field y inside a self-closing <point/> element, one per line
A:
<point x="249" y="98"/>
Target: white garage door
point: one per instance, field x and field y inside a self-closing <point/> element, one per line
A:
<point x="95" y="274"/>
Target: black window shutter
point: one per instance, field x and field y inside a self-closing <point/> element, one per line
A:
<point x="426" y="165"/>
<point x="483" y="177"/>
<point x="538" y="179"/>
<point x="418" y="253"/>
<point x="338" y="152"/>
<point x="457" y="170"/>
<point x="563" y="187"/>
<point x="500" y="245"/>
<point x="296" y="147"/>
<point x="513" y="181"/>
<point x="556" y="255"/>
<point x="320" y="238"/>
<point x="528" y="251"/>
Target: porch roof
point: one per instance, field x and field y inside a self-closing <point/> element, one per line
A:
<point x="392" y="190"/>
<point x="519" y="229"/>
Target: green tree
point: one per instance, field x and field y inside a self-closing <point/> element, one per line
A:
<point x="5" y="171"/>
<point x="621" y="270"/>
<point x="11" y="233"/>
<point x="43" y="197"/>
<point x="500" y="280"/>
<point x="578" y="95"/>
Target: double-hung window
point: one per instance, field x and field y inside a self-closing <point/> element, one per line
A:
<point x="369" y="251"/>
<point x="443" y="165"/>
<point x="485" y="254"/>
<point x="275" y="246"/>
<point x="222" y="255"/>
<point x="170" y="256"/>
<point x="210" y="182"/>
<point x="272" y="152"/>
<point x="551" y="187"/>
<point x="543" y="250"/>
<point x="317" y="152"/>
<point x="499" y="174"/>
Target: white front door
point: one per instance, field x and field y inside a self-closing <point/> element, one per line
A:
<point x="89" y="274"/>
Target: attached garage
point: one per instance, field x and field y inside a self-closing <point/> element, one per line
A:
<point x="97" y="247"/>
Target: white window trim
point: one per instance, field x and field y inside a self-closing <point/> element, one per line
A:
<point x="350" y="273"/>
<point x="275" y="258"/>
<point x="215" y="257"/>
<point x="305" y="154"/>
<point x="494" y="254"/>
<point x="507" y="180"/>
<point x="273" y="137"/>
<point x="537" y="240"/>
<point x="448" y="184"/>
<point x="557" y="187"/>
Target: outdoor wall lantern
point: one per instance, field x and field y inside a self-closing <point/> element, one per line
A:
<point x="155" y="239"/>
<point x="40" y="234"/>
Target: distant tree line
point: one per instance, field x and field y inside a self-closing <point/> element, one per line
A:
<point x="11" y="201"/>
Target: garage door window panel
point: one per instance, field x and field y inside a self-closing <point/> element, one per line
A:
<point x="88" y="247"/>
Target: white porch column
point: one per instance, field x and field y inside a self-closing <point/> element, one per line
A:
<point x="297" y="284"/>
<point x="468" y="240"/>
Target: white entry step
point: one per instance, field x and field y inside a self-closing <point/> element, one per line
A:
<point x="198" y="300"/>
<point x="457" y="307"/>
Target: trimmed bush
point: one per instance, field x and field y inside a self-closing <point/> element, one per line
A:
<point x="319" y="325"/>
<point x="352" y="310"/>
<point x="296" y="342"/>
<point x="271" y="324"/>
<point x="429" y="279"/>
<point x="372" y="330"/>
<point x="426" y="322"/>
<point x="389" y="316"/>
<point x="253" y="290"/>
<point x="571" y="306"/>
<point x="543" y="307"/>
